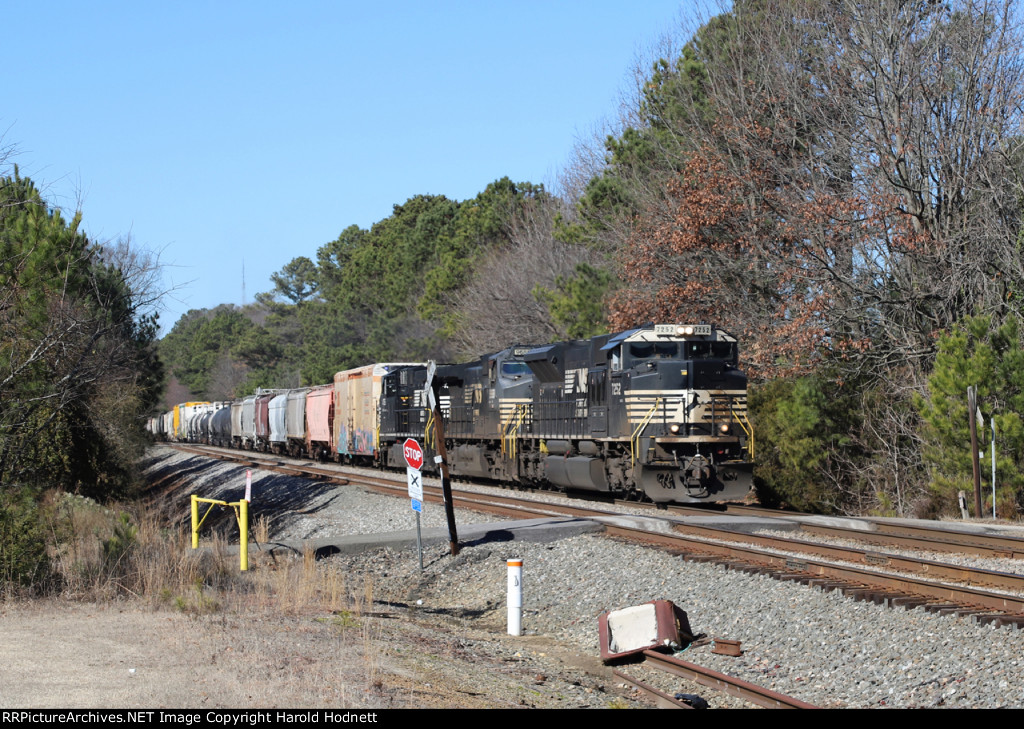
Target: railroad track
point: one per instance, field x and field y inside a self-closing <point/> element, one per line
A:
<point x="885" y="532"/>
<point x="749" y="692"/>
<point x="889" y="579"/>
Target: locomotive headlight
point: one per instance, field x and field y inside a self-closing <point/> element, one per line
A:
<point x="684" y="331"/>
<point x="674" y="428"/>
<point x="724" y="428"/>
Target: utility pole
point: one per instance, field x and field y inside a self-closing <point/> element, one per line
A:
<point x="972" y="409"/>
<point x="432" y="389"/>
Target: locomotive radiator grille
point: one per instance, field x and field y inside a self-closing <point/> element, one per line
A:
<point x="684" y="406"/>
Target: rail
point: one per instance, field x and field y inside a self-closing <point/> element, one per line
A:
<point x="745" y="690"/>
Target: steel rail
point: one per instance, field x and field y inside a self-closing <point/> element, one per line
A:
<point x="1000" y="545"/>
<point x="730" y="550"/>
<point x="758" y="695"/>
<point x="914" y="565"/>
<point x="965" y="596"/>
<point x="1012" y="546"/>
<point x="930" y="540"/>
<point x="661" y="699"/>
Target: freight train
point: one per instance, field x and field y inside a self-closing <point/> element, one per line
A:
<point x="658" y="412"/>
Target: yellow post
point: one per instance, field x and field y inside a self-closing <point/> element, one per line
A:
<point x="243" y="528"/>
<point x="195" y="521"/>
<point x="241" y="516"/>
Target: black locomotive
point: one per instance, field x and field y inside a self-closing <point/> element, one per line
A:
<point x="658" y="411"/>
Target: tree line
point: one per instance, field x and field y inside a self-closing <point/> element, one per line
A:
<point x="79" y="371"/>
<point x="837" y="183"/>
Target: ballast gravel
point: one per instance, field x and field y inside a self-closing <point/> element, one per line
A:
<point x="821" y="647"/>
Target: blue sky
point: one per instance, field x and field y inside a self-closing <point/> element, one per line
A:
<point x="216" y="131"/>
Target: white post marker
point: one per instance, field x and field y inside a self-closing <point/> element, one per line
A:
<point x="248" y="485"/>
<point x="515" y="596"/>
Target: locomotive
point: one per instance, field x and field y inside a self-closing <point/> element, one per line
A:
<point x="658" y="412"/>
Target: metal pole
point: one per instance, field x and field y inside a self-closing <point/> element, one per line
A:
<point x="992" y="421"/>
<point x="195" y="522"/>
<point x="972" y="400"/>
<point x="419" y="540"/>
<point x="243" y="529"/>
<point x="442" y="461"/>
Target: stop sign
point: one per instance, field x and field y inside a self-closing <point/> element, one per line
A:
<point x="413" y="453"/>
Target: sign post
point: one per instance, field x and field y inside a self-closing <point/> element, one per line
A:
<point x="431" y="391"/>
<point x="414" y="475"/>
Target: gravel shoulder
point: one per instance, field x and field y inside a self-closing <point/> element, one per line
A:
<point x="437" y="639"/>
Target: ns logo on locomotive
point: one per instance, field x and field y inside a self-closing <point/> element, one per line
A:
<point x="658" y="412"/>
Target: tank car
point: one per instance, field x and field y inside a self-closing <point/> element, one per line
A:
<point x="220" y="426"/>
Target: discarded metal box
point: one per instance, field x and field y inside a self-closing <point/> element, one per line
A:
<point x="724" y="647"/>
<point x="656" y="625"/>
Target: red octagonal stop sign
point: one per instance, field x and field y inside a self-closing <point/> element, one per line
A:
<point x="413" y="453"/>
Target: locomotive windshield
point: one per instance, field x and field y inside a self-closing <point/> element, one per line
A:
<point x="514" y="370"/>
<point x="690" y="350"/>
<point x="710" y="350"/>
<point x="654" y="350"/>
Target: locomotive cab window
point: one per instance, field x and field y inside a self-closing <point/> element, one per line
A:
<point x="514" y="370"/>
<point x="653" y="350"/>
<point x="616" y="359"/>
<point x="710" y="350"/>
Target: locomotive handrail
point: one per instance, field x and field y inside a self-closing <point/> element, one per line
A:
<point x="428" y="430"/>
<point x="634" y="439"/>
<point x="748" y="428"/>
<point x="510" y="430"/>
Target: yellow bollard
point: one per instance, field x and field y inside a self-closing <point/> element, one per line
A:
<point x="241" y="516"/>
<point x="195" y="521"/>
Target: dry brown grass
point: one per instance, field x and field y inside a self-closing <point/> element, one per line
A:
<point x="127" y="552"/>
<point x="297" y="613"/>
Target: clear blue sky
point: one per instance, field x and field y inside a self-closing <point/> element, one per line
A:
<point x="213" y="131"/>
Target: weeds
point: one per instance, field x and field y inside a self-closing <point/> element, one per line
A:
<point x="69" y="545"/>
<point x="24" y="562"/>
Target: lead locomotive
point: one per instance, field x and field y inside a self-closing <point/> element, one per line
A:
<point x="658" y="411"/>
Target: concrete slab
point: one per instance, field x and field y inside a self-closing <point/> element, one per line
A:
<point x="964" y="527"/>
<point x="546" y="529"/>
<point x="663" y="524"/>
<point x="745" y="524"/>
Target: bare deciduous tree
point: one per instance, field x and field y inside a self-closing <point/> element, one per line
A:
<point x="852" y="164"/>
<point x="500" y="306"/>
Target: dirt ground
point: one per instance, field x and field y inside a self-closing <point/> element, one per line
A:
<point x="122" y="655"/>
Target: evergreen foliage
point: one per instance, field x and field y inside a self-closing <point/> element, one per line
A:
<point x="23" y="557"/>
<point x="576" y="302"/>
<point x="372" y="295"/>
<point x="802" y="428"/>
<point x="77" y="363"/>
<point x="976" y="352"/>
